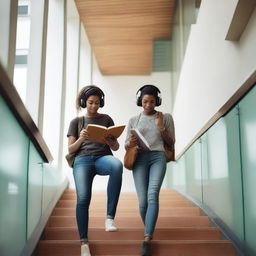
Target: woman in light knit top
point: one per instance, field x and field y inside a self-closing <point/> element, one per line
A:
<point x="150" y="166"/>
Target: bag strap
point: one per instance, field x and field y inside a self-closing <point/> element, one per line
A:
<point x="137" y="121"/>
<point x="80" y="125"/>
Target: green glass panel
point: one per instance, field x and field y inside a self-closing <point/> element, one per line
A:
<point x="170" y="174"/>
<point x="13" y="183"/>
<point x="35" y="180"/>
<point x="248" y="152"/>
<point x="222" y="186"/>
<point x="179" y="175"/>
<point x="51" y="181"/>
<point x="194" y="171"/>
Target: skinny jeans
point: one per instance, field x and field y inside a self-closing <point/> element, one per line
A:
<point x="84" y="170"/>
<point x="148" y="173"/>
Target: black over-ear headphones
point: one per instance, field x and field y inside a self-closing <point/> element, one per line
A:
<point x="92" y="90"/>
<point x="156" y="93"/>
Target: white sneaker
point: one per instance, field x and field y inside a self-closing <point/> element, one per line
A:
<point x="85" y="251"/>
<point x="110" y="225"/>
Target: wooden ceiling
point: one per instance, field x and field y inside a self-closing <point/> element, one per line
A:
<point x="121" y="32"/>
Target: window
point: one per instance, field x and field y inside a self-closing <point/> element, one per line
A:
<point x="22" y="10"/>
<point x="22" y="48"/>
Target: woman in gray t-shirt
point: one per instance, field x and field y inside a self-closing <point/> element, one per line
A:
<point x="150" y="166"/>
<point x="91" y="159"/>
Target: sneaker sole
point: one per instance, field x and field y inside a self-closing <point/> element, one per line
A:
<point x="111" y="230"/>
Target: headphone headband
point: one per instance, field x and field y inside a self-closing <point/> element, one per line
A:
<point x="157" y="94"/>
<point x="91" y="90"/>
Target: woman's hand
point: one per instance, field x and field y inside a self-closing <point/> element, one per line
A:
<point x="83" y="135"/>
<point x="160" y="121"/>
<point x="133" y="141"/>
<point x="112" y="142"/>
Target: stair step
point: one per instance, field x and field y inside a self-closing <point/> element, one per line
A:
<point x="194" y="233"/>
<point x="123" y="196"/>
<point x="159" y="248"/>
<point x="122" y="222"/>
<point x="163" y="212"/>
<point x="122" y="204"/>
<point x="100" y="193"/>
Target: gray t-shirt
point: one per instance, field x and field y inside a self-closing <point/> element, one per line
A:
<point x="147" y="127"/>
<point x="89" y="148"/>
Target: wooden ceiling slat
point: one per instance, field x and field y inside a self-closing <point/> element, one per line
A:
<point x="99" y="7"/>
<point x="126" y="20"/>
<point x="121" y="32"/>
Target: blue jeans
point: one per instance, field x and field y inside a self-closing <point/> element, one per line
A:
<point x="148" y="173"/>
<point x="85" y="168"/>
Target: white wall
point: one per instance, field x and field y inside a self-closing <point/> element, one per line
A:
<point x="213" y="68"/>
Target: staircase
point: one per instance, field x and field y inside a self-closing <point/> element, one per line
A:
<point x="180" y="230"/>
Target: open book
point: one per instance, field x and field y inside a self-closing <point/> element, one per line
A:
<point x="142" y="142"/>
<point x="98" y="132"/>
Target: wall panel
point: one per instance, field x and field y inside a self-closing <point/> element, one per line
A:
<point x="13" y="183"/>
<point x="248" y="152"/>
<point x="193" y="171"/>
<point x="222" y="187"/>
<point x="35" y="189"/>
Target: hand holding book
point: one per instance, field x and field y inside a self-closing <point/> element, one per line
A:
<point x="110" y="140"/>
<point x="142" y="142"/>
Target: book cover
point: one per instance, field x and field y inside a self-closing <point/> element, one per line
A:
<point x="141" y="139"/>
<point x="97" y="133"/>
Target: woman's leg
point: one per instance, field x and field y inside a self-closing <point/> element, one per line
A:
<point x="157" y="172"/>
<point x="141" y="179"/>
<point x="148" y="176"/>
<point x="84" y="173"/>
<point x="110" y="165"/>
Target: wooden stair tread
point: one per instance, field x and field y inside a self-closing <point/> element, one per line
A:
<point x="67" y="221"/>
<point x="163" y="211"/>
<point x="121" y="204"/>
<point x="138" y="242"/>
<point x="178" y="233"/>
<point x="117" y="247"/>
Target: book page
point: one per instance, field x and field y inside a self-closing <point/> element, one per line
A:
<point x="142" y="141"/>
<point x="115" y="131"/>
<point x="98" y="132"/>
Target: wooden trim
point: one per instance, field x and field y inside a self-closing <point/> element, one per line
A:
<point x="241" y="17"/>
<point x="10" y="95"/>
<point x="198" y="3"/>
<point x="235" y="98"/>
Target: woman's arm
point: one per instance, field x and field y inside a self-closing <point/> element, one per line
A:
<point x="131" y="140"/>
<point x="166" y="137"/>
<point x="74" y="144"/>
<point x="164" y="133"/>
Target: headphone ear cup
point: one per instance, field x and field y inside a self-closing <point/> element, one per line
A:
<point x="139" y="102"/>
<point x="102" y="102"/>
<point x="138" y="98"/>
<point x="158" y="101"/>
<point x="82" y="103"/>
